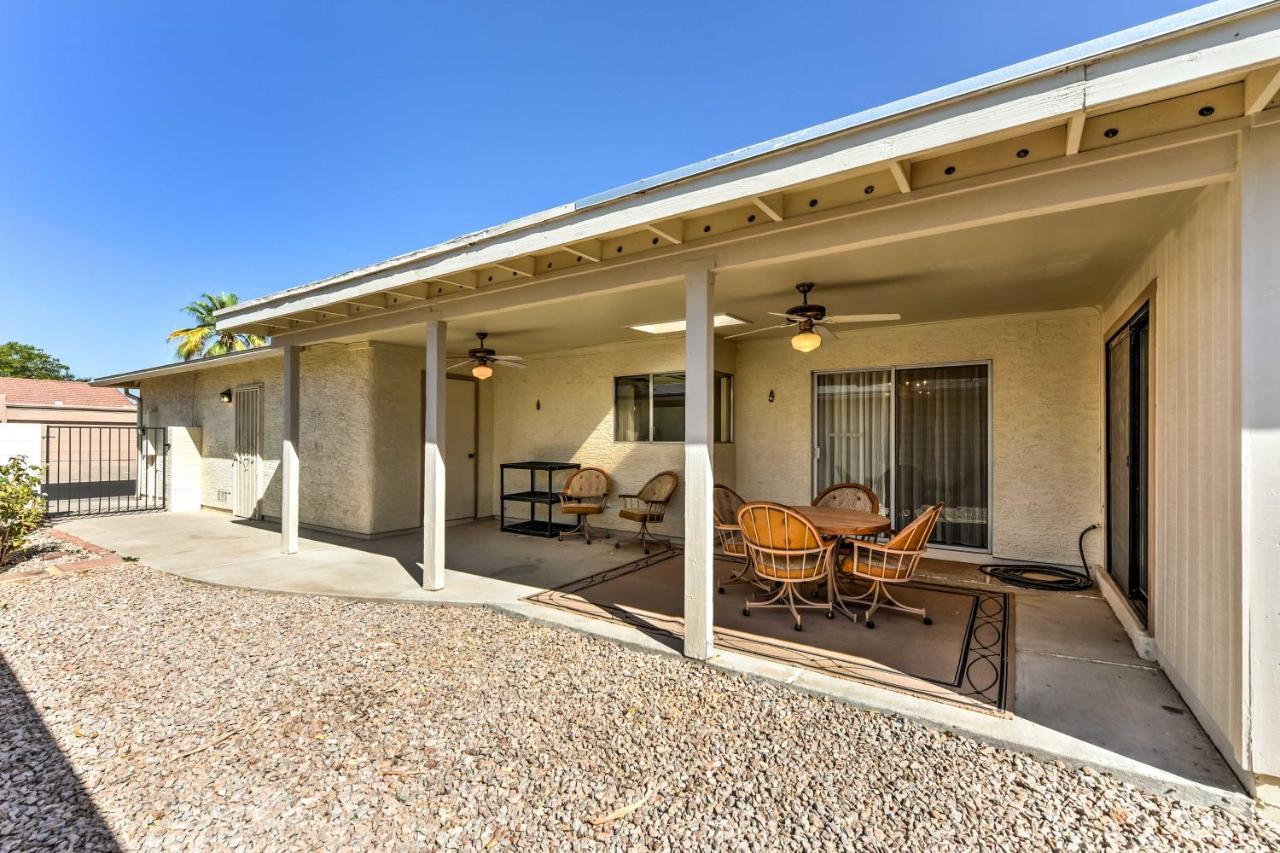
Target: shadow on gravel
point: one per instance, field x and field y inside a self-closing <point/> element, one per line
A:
<point x="43" y="804"/>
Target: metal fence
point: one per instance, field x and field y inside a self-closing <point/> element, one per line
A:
<point x="96" y="470"/>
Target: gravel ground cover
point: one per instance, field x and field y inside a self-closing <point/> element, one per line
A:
<point x="141" y="711"/>
<point x="41" y="551"/>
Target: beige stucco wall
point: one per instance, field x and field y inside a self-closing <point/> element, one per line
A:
<point x="1045" y="417"/>
<point x="335" y="444"/>
<point x="1195" y="578"/>
<point x="575" y="421"/>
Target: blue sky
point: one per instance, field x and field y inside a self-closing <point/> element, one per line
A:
<point x="152" y="151"/>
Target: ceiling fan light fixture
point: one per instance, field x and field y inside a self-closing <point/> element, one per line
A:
<point x="806" y="341"/>
<point x="482" y="371"/>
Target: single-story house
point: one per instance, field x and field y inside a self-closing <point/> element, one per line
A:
<point x="1054" y="289"/>
<point x="63" y="401"/>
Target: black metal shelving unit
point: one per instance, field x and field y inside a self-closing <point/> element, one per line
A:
<point x="534" y="497"/>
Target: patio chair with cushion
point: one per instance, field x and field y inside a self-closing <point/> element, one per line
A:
<point x="649" y="506"/>
<point x="848" y="496"/>
<point x="725" y="503"/>
<point x="893" y="562"/>
<point x="584" y="496"/>
<point x="787" y="550"/>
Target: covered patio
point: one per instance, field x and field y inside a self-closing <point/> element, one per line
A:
<point x="1076" y="689"/>
<point x="1035" y="307"/>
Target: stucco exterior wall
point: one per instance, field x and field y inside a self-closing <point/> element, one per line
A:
<point x="575" y="421"/>
<point x="1195" y="582"/>
<point x="1046" y="411"/>
<point x="397" y="437"/>
<point x="336" y="441"/>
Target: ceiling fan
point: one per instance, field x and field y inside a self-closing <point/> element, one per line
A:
<point x="811" y="321"/>
<point x="482" y="358"/>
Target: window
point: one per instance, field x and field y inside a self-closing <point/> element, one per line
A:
<point x="650" y="407"/>
<point x="917" y="436"/>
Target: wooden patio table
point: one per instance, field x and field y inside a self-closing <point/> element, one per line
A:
<point x="834" y="521"/>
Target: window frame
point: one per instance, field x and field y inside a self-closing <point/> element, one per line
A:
<point x="649" y="377"/>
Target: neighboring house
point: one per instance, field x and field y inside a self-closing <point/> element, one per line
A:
<point x="57" y="401"/>
<point x="1082" y="251"/>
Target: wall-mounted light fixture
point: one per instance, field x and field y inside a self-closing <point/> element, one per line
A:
<point x="225" y="396"/>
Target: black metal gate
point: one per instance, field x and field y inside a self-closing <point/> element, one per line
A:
<point x="96" y="470"/>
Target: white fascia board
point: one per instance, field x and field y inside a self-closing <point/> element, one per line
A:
<point x="125" y="380"/>
<point x="1163" y="53"/>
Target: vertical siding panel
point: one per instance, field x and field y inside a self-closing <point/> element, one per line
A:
<point x="1195" y="505"/>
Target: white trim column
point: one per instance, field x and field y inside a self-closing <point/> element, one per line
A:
<point x="433" y="473"/>
<point x="699" y="450"/>
<point x="1260" y="456"/>
<point x="289" y="482"/>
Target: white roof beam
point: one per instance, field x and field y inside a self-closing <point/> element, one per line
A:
<point x="591" y="250"/>
<point x="901" y="171"/>
<point x="671" y="230"/>
<point x="519" y="266"/>
<point x="466" y="279"/>
<point x="770" y="205"/>
<point x="1075" y="132"/>
<point x="373" y="300"/>
<point x="1259" y="88"/>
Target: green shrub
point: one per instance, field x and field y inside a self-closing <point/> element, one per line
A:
<point x="21" y="505"/>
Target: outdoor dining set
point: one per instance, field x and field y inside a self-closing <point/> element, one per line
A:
<point x="795" y="556"/>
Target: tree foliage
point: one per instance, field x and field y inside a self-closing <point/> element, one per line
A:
<point x="21" y="505"/>
<point x="204" y="339"/>
<point x="27" y="362"/>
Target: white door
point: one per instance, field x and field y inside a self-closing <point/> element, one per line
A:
<point x="460" y="449"/>
<point x="246" y="490"/>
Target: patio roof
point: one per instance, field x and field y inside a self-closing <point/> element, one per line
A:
<point x="1048" y="107"/>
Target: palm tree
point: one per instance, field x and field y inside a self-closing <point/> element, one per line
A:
<point x="203" y="339"/>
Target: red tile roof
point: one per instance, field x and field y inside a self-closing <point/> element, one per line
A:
<point x="49" y="392"/>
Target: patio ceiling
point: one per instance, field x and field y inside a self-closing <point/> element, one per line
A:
<point x="1062" y="260"/>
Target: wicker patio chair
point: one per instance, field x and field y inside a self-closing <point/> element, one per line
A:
<point x="892" y="562"/>
<point x="584" y="496"/>
<point x="649" y="506"/>
<point x="725" y="503"/>
<point x="788" y="551"/>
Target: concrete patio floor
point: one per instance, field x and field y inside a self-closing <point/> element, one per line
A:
<point x="1082" y="695"/>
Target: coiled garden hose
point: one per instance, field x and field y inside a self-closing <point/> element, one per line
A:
<point x="1044" y="577"/>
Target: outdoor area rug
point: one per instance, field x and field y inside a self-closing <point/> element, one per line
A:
<point x="963" y="658"/>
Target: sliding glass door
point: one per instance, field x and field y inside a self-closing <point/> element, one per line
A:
<point x="917" y="436"/>
<point x="853" y="414"/>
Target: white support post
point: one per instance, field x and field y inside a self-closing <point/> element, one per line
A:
<point x="289" y="491"/>
<point x="433" y="473"/>
<point x="699" y="447"/>
<point x="1260" y="457"/>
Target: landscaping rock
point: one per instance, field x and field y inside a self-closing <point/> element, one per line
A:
<point x="141" y="711"/>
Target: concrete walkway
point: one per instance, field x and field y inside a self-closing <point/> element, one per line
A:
<point x="1082" y="695"/>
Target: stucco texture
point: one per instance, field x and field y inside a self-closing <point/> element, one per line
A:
<point x="1045" y="417"/>
<point x="335" y="442"/>
<point x="575" y="421"/>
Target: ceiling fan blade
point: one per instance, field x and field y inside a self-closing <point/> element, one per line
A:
<point x="862" y="318"/>
<point x="784" y="316"/>
<point x="825" y="333"/>
<point x="757" y="331"/>
<point x="459" y="364"/>
<point x="506" y="358"/>
<point x="518" y="364"/>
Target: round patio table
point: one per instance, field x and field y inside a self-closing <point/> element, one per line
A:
<point x="834" y="521"/>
